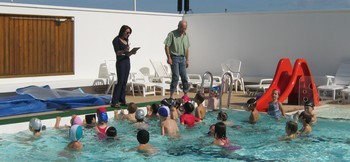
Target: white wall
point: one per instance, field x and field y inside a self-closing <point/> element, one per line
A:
<point x="94" y="32"/>
<point x="261" y="39"/>
<point x="258" y="39"/>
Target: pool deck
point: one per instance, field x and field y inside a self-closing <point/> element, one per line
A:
<point x="237" y="102"/>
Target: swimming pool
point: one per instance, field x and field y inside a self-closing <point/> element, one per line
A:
<point x="329" y="141"/>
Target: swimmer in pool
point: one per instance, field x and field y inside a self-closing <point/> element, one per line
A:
<point x="75" y="135"/>
<point x="144" y="146"/>
<point x="291" y="131"/>
<point x="35" y="126"/>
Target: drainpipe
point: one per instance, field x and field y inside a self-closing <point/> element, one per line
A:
<point x="134" y="5"/>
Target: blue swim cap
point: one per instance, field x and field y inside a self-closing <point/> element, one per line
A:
<point x="164" y="111"/>
<point x="216" y="88"/>
<point x="76" y="133"/>
<point x="102" y="117"/>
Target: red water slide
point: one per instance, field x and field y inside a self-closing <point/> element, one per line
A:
<point x="296" y="84"/>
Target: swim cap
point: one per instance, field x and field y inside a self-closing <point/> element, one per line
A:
<point x="102" y="115"/>
<point x="77" y="120"/>
<point x="185" y="98"/>
<point x="75" y="132"/>
<point x="309" y="103"/>
<point x="216" y="88"/>
<point x="164" y="111"/>
<point x="140" y="114"/>
<point x="35" y="123"/>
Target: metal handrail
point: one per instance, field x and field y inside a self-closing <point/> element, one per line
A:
<point x="211" y="80"/>
<point x="230" y="89"/>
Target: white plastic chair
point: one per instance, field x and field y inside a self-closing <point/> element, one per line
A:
<point x="107" y="72"/>
<point x="234" y="67"/>
<point x="263" y="85"/>
<point x="142" y="83"/>
<point x="335" y="84"/>
<point x="162" y="78"/>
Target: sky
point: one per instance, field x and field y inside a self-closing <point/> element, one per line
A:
<point x="199" y="6"/>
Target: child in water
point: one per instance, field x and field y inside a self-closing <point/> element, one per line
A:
<point x="213" y="99"/>
<point x="309" y="108"/>
<point x="168" y="126"/>
<point x="132" y="107"/>
<point x="305" y="119"/>
<point x="152" y="110"/>
<point x="75" y="135"/>
<point x="220" y="138"/>
<point x="223" y="117"/>
<point x="291" y="130"/>
<point x="102" y="123"/>
<point x="187" y="118"/>
<point x="275" y="109"/>
<point x="74" y="120"/>
<point x="140" y="116"/>
<point x="144" y="147"/>
<point x="201" y="110"/>
<point x="254" y="114"/>
<point x="35" y="126"/>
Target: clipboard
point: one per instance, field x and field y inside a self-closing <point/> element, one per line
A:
<point x="134" y="50"/>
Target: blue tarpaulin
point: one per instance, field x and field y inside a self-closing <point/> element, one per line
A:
<point x="33" y="99"/>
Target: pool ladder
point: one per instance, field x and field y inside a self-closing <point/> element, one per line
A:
<point x="230" y="89"/>
<point x="211" y="81"/>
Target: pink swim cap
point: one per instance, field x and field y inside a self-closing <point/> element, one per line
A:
<point x="185" y="98"/>
<point x="77" y="120"/>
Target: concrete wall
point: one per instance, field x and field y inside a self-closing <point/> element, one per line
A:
<point x="261" y="39"/>
<point x="94" y="32"/>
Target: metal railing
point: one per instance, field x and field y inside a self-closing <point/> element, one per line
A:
<point x="230" y="89"/>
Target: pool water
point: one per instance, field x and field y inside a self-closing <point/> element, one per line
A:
<point x="329" y="141"/>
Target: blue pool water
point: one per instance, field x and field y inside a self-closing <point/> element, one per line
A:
<point x="329" y="141"/>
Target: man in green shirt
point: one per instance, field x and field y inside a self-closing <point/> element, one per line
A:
<point x="176" y="49"/>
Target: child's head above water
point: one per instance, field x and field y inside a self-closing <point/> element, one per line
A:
<point x="275" y="94"/>
<point x="308" y="105"/>
<point x="143" y="136"/>
<point x="222" y="116"/>
<point x="305" y="116"/>
<point x="188" y="108"/>
<point x="76" y="133"/>
<point x="102" y="115"/>
<point x="140" y="115"/>
<point x="199" y="97"/>
<point x="214" y="91"/>
<point x="132" y="107"/>
<point x="164" y="111"/>
<point x="35" y="124"/>
<point x="251" y="104"/>
<point x="220" y="130"/>
<point x="76" y="120"/>
<point x="155" y="108"/>
<point x="111" y="132"/>
<point x="291" y="127"/>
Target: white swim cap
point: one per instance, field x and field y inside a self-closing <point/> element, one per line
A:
<point x="76" y="132"/>
<point x="35" y="123"/>
<point x="140" y="114"/>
